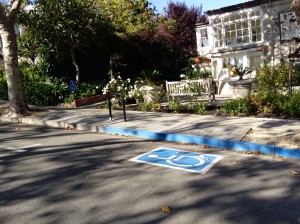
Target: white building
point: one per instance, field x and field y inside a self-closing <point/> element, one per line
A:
<point x="248" y="34"/>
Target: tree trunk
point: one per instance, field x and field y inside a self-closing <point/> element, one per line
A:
<point x="17" y="103"/>
<point x="75" y="64"/>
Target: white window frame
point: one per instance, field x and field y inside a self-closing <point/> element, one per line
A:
<point x="221" y="21"/>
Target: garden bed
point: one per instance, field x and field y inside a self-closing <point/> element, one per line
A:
<point x="85" y="101"/>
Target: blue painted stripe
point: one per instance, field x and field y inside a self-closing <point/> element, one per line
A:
<point x="212" y="142"/>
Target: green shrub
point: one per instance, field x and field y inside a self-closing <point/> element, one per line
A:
<point x="237" y="106"/>
<point x="268" y="101"/>
<point x="149" y="106"/>
<point x="292" y="105"/>
<point x="174" y="105"/>
<point x="46" y="91"/>
<point x="197" y="107"/>
<point x="3" y="86"/>
<point x="296" y="75"/>
<point x="40" y="89"/>
<point x="89" y="89"/>
<point x="272" y="79"/>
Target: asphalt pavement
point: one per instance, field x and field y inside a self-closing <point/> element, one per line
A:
<point x="67" y="176"/>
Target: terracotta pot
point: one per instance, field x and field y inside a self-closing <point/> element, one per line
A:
<point x="198" y="60"/>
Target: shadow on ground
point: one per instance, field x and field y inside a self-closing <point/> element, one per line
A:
<point x="92" y="181"/>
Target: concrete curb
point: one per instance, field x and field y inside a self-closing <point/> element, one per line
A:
<point x="212" y="142"/>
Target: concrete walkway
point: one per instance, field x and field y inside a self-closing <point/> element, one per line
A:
<point x="97" y="120"/>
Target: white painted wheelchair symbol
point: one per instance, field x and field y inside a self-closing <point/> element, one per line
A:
<point x="174" y="160"/>
<point x="179" y="159"/>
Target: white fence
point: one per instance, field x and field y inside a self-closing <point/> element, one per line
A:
<point x="198" y="87"/>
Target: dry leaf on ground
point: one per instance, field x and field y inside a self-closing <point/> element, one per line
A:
<point x="166" y="209"/>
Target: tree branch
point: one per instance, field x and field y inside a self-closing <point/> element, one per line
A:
<point x="15" y="8"/>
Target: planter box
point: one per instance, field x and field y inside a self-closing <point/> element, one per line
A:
<point x="86" y="101"/>
<point x="241" y="88"/>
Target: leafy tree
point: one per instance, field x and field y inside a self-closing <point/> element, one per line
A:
<point x="8" y="14"/>
<point x="184" y="31"/>
<point x="171" y="41"/>
<point x="65" y="25"/>
<point x="129" y="17"/>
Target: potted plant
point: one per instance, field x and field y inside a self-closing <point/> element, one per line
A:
<point x="241" y="88"/>
<point x="149" y="84"/>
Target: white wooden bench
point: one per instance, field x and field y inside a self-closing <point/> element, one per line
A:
<point x="198" y="87"/>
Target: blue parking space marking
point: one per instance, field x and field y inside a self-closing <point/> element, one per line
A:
<point x="178" y="159"/>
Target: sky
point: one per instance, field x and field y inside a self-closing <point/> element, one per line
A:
<point x="206" y="4"/>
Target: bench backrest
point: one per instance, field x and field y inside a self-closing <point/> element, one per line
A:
<point x="189" y="87"/>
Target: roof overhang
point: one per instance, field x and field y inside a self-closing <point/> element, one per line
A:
<point x="240" y="6"/>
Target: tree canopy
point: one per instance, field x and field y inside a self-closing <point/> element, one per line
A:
<point x="65" y="26"/>
<point x="127" y="16"/>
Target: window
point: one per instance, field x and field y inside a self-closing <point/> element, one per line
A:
<point x="218" y="40"/>
<point x="235" y="29"/>
<point x="236" y="33"/>
<point x="256" y="30"/>
<point x="204" y="37"/>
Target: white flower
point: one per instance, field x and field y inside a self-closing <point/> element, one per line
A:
<point x="119" y="77"/>
<point x="182" y="76"/>
<point x="97" y="87"/>
<point x="128" y="80"/>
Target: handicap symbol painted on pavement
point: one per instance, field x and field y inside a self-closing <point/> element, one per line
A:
<point x="178" y="159"/>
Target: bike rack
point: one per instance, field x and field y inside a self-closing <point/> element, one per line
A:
<point x="123" y="105"/>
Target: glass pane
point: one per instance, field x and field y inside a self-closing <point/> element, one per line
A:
<point x="252" y="14"/>
<point x="226" y="19"/>
<point x="258" y="30"/>
<point x="259" y="37"/>
<point x="258" y="22"/>
<point x="238" y="16"/>
<point x="232" y="18"/>
<point x="246" y="39"/>
<point x="245" y="32"/>
<point x="238" y="25"/>
<point x="244" y="15"/>
<point x="203" y="32"/>
<point x="245" y="24"/>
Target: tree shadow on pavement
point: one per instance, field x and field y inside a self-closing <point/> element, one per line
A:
<point x="93" y="181"/>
